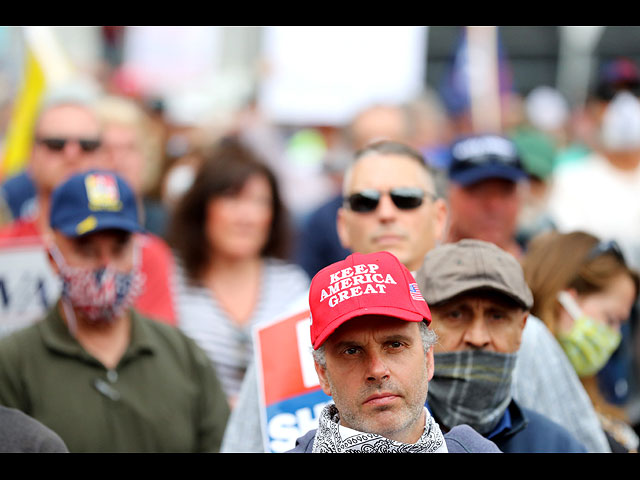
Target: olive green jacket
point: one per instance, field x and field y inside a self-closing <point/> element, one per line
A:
<point x="163" y="396"/>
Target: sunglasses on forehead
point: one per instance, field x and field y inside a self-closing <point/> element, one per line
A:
<point x="57" y="144"/>
<point x="405" y="198"/>
<point x="610" y="246"/>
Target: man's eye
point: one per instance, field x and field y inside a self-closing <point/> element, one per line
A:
<point x="351" y="350"/>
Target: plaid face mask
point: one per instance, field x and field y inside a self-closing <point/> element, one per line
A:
<point x="471" y="387"/>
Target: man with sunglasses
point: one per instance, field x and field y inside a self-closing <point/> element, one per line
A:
<point x="391" y="204"/>
<point x="66" y="138"/>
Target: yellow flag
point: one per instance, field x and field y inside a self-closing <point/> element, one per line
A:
<point x="19" y="136"/>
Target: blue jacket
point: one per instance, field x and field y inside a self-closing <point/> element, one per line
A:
<point x="524" y="431"/>
<point x="460" y="439"/>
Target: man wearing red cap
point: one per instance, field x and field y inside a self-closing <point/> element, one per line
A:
<point x="372" y="351"/>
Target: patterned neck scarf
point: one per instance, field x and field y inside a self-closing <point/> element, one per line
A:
<point x="331" y="437"/>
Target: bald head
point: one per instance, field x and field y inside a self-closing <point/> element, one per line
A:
<point x="380" y="122"/>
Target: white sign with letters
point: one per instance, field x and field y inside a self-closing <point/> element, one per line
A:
<point x="28" y="285"/>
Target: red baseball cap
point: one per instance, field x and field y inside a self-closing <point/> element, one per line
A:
<point x="363" y="284"/>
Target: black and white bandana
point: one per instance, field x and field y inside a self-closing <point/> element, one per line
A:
<point x="331" y="437"/>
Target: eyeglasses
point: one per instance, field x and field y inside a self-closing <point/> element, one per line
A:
<point x="405" y="198"/>
<point x="601" y="248"/>
<point x="57" y="144"/>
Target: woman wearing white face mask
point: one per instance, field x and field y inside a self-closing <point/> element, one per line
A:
<point x="584" y="291"/>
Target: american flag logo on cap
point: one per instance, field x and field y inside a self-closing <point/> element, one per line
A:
<point x="415" y="292"/>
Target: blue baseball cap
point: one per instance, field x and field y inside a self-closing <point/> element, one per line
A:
<point x="481" y="157"/>
<point x="93" y="201"/>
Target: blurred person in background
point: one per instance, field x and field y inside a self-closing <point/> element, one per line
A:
<point x="66" y="111"/>
<point x="230" y="233"/>
<point x="133" y="150"/>
<point x="537" y="151"/>
<point x="17" y="197"/>
<point x="318" y="244"/>
<point x="484" y="191"/>
<point x="67" y="139"/>
<point x="612" y="169"/>
<point x="600" y="195"/>
<point x="130" y="151"/>
<point x="102" y="376"/>
<point x="432" y="129"/>
<point x="584" y="291"/>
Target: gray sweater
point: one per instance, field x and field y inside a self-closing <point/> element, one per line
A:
<point x="20" y="433"/>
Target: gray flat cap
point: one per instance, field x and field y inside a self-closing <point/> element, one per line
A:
<point x="454" y="268"/>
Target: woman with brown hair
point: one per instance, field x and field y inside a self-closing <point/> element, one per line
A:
<point x="584" y="291"/>
<point x="229" y="233"/>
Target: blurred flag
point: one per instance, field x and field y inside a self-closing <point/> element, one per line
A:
<point x="20" y="129"/>
<point x="479" y="71"/>
<point x="44" y="64"/>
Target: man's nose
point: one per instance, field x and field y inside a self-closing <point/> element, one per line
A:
<point x="72" y="149"/>
<point x="377" y="369"/>
<point x="477" y="335"/>
<point x="386" y="210"/>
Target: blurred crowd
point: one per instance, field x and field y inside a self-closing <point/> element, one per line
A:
<point x="214" y="225"/>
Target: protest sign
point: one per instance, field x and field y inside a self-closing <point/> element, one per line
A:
<point x="290" y="395"/>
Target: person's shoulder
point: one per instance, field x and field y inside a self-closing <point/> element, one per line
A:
<point x="20" y="433"/>
<point x="555" y="437"/>
<point x="22" y="228"/>
<point x="21" y="340"/>
<point x="157" y="330"/>
<point x="285" y="269"/>
<point x="304" y="444"/>
<point x="464" y="439"/>
<point x="282" y="265"/>
<point x="169" y="338"/>
<point x="155" y="242"/>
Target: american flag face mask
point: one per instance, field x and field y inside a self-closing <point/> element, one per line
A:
<point x="100" y="295"/>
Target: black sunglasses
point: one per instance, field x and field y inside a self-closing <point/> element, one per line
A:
<point x="58" y="144"/>
<point x="610" y="246"/>
<point x="405" y="198"/>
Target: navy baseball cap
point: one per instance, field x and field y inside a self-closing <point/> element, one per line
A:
<point x="93" y="201"/>
<point x="481" y="157"/>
